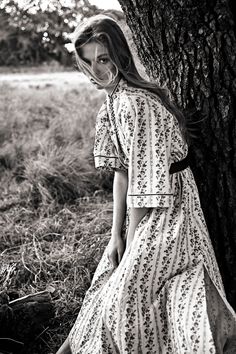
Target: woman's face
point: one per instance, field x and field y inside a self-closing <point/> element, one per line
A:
<point x="97" y="58"/>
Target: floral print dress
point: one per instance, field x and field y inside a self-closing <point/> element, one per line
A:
<point x="166" y="295"/>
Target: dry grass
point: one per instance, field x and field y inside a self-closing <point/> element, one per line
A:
<point x="56" y="248"/>
<point x="55" y="209"/>
<point x="52" y="66"/>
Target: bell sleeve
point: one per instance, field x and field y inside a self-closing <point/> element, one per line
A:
<point x="149" y="157"/>
<point x="105" y="153"/>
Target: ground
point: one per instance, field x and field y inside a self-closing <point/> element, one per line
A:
<point x="55" y="208"/>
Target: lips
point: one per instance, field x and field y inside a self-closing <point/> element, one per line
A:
<point x="93" y="81"/>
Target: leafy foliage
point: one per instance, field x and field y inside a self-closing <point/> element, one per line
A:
<point x="35" y="33"/>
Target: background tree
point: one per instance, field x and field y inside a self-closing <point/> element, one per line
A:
<point x="38" y="30"/>
<point x="190" y="46"/>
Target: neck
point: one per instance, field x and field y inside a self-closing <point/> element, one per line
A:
<point x="111" y="89"/>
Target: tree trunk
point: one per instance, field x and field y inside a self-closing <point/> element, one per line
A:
<point x="190" y="46"/>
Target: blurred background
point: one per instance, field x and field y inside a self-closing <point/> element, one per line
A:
<point x="34" y="32"/>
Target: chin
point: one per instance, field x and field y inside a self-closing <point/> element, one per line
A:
<point x="97" y="85"/>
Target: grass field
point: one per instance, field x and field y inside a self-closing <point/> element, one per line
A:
<point x="55" y="209"/>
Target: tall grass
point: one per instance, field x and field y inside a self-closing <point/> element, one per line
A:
<point x="55" y="209"/>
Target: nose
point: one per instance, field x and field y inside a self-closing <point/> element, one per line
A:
<point x="95" y="68"/>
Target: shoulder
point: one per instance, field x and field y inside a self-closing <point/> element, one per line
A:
<point x="139" y="102"/>
<point x="136" y="98"/>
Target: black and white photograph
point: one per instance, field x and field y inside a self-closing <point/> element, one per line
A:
<point x="117" y="177"/>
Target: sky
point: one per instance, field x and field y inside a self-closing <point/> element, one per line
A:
<point x="102" y="4"/>
<point x="106" y="4"/>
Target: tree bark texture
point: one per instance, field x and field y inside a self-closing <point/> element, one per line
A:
<point x="190" y="47"/>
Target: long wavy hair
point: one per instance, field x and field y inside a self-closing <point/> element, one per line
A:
<point x="105" y="30"/>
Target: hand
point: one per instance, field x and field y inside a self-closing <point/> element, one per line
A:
<point x="116" y="248"/>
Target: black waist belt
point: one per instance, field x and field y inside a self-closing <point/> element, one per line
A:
<point x="179" y="165"/>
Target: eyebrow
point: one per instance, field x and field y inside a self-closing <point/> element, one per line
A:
<point x="100" y="55"/>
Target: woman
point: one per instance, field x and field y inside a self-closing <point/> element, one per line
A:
<point x="157" y="288"/>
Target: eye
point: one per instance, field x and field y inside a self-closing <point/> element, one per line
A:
<point x="103" y="60"/>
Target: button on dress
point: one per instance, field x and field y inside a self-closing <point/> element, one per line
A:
<point x="166" y="296"/>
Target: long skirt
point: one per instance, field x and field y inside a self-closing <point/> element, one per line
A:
<point x="166" y="295"/>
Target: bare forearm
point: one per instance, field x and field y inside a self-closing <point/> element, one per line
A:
<point x="116" y="244"/>
<point x="136" y="215"/>
<point x="119" y="201"/>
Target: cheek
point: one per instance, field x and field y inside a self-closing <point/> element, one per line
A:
<point x="105" y="69"/>
<point x="111" y="68"/>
